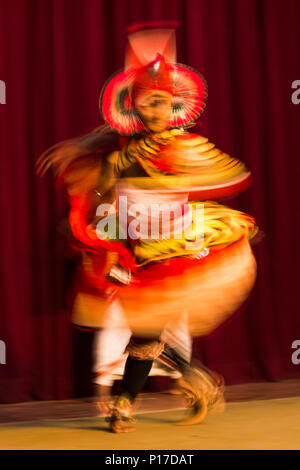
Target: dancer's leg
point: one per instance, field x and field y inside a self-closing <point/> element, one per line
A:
<point x="203" y="388"/>
<point x="135" y="376"/>
<point x="109" y="346"/>
<point x="138" y="365"/>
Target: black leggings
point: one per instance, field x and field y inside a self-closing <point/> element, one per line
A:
<point x="137" y="371"/>
<point x="135" y="376"/>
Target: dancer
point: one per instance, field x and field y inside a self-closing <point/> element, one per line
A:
<point x="153" y="101"/>
<point x="195" y="261"/>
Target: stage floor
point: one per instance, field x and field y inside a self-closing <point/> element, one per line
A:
<point x="250" y="421"/>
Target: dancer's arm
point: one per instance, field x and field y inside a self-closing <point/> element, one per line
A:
<point x="107" y="177"/>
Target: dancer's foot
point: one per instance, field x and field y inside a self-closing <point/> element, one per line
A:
<point x="198" y="413"/>
<point x="120" y="419"/>
<point x="204" y="392"/>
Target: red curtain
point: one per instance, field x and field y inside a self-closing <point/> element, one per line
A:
<point x="55" y="55"/>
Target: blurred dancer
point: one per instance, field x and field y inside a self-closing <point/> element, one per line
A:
<point x="207" y="269"/>
<point x="153" y="101"/>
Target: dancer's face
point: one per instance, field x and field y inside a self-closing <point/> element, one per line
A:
<point x="154" y="108"/>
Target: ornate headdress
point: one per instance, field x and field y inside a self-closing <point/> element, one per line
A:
<point x="151" y="64"/>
